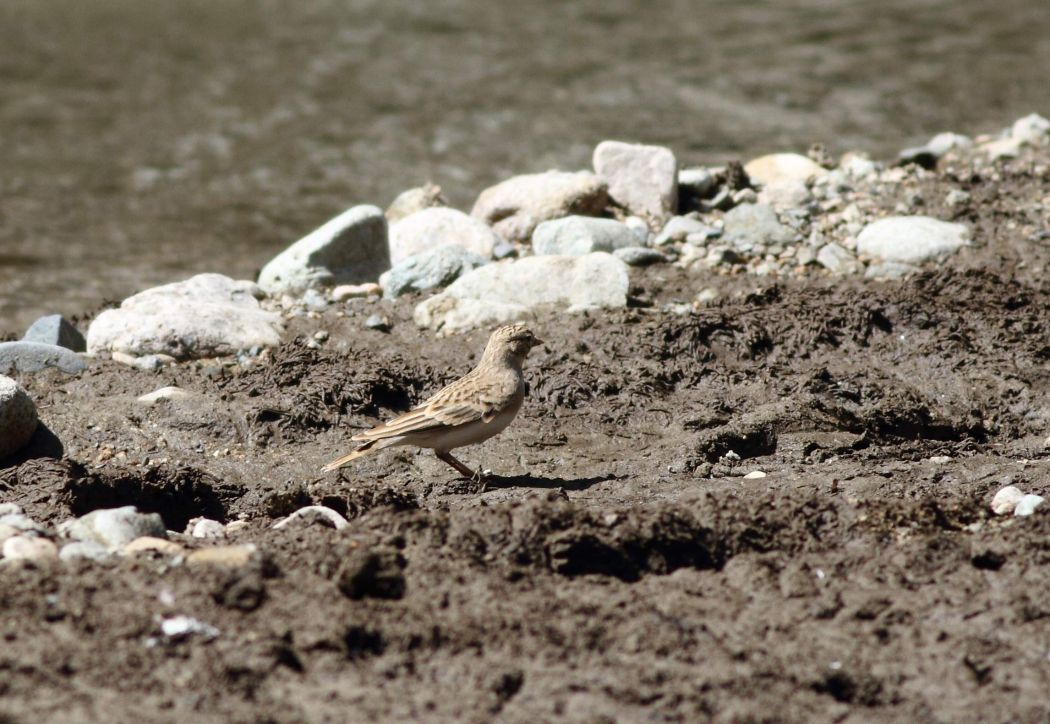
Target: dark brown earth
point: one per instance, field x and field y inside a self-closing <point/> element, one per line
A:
<point x="619" y="567"/>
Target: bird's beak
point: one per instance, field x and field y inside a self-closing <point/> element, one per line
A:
<point x="536" y="342"/>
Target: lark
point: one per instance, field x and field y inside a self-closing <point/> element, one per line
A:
<point x="472" y="409"/>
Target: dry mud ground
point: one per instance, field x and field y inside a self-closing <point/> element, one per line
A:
<point x="622" y="568"/>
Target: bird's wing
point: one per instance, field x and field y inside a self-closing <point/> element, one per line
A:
<point x="466" y="400"/>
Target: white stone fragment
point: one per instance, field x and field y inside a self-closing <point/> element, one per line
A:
<point x="1006" y="500"/>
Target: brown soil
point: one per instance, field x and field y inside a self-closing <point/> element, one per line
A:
<point x="620" y="566"/>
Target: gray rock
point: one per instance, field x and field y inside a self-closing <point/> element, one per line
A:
<point x="206" y="528"/>
<point x="775" y="167"/>
<point x="86" y="550"/>
<point x="116" y="527"/>
<point x="413" y="200"/>
<point x="504" y="250"/>
<point x="33" y="356"/>
<point x="838" y="260"/>
<point x="430" y="229"/>
<point x="911" y="239"/>
<point x="678" y="228"/>
<point x="578" y="235"/>
<point x="378" y="322"/>
<point x="750" y="228"/>
<point x="1028" y="504"/>
<point x="429" y="270"/>
<point x="639" y="256"/>
<point x="17" y="417"/>
<point x="208" y="315"/>
<point x="514" y="207"/>
<point x="785" y="193"/>
<point x="314" y="300"/>
<point x="349" y="249"/>
<point x="642" y="179"/>
<point x="516" y="290"/>
<point x="890" y="270"/>
<point x="55" y="330"/>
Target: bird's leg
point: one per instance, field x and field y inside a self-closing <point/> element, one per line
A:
<point x="462" y="469"/>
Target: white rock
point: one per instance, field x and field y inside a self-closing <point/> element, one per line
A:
<point x="314" y="513"/>
<point x="937" y="147"/>
<point x="349" y="249"/>
<point x="578" y="235"/>
<point x="116" y="527"/>
<point x="858" y="166"/>
<point x="698" y="181"/>
<point x="642" y="179"/>
<point x="515" y="290"/>
<point x="354" y="291"/>
<point x="431" y="269"/>
<point x="8" y="531"/>
<point x="755" y="475"/>
<point x="184" y="626"/>
<point x="152" y="544"/>
<point x="21" y="522"/>
<point x="940" y="459"/>
<point x="890" y="270"/>
<point x="1033" y="129"/>
<point x="514" y="207"/>
<point x="1002" y="148"/>
<point x="18" y="418"/>
<point x="10" y="509"/>
<point x="208" y="315"/>
<point x="207" y="528"/>
<point x="788" y="193"/>
<point x="29" y="548"/>
<point x="775" y="167"/>
<point x="1028" y="504"/>
<point x="911" y="239"/>
<point x="437" y="227"/>
<point x="84" y="550"/>
<point x="164" y="393"/>
<point x="1006" y="500"/>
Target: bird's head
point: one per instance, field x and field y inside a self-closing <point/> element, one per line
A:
<point x="511" y="343"/>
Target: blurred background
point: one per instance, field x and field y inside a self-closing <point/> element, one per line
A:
<point x="144" y="141"/>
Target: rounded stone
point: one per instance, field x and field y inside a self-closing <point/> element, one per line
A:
<point x="18" y="418"/>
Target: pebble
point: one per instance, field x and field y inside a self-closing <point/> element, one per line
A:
<point x="935" y="149"/>
<point x="640" y="227"/>
<point x="344" y="292"/>
<point x="206" y="528"/>
<point x="707" y="296"/>
<point x="838" y="260"/>
<point x="148" y="362"/>
<point x="378" y="322"/>
<point x="236" y="525"/>
<point x="516" y="206"/>
<point x="437" y="227"/>
<point x="679" y="228"/>
<point x="940" y="459"/>
<point x="179" y="627"/>
<point x="1028" y="504"/>
<point x="33" y="357"/>
<point x="957" y="197"/>
<point x="314" y="300"/>
<point x="18" y="418"/>
<point x="1006" y="499"/>
<point x="513" y="290"/>
<point x="777" y="167"/>
<point x="55" y="330"/>
<point x="911" y="239"/>
<point x="1033" y="129"/>
<point x="208" y="315"/>
<point x="235" y="556"/>
<point x="431" y="269"/>
<point x="578" y="235"/>
<point x="116" y="527"/>
<point x="643" y="179"/>
<point x="150" y="544"/>
<point x="504" y="250"/>
<point x="8" y="531"/>
<point x="413" y="200"/>
<point x="84" y="550"/>
<point x="29" y="548"/>
<point x="314" y="514"/>
<point x="10" y="509"/>
<point x="349" y="249"/>
<point x="755" y="475"/>
<point x="639" y="256"/>
<point x="750" y="228"/>
<point x="787" y="193"/>
<point x="164" y="393"/>
<point x="21" y="522"/>
<point x="696" y="182"/>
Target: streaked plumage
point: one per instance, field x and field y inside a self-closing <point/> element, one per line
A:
<point x="472" y="409"/>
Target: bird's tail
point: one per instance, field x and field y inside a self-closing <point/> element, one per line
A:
<point x="340" y="462"/>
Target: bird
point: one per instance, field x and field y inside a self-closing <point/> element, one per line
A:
<point x="474" y="408"/>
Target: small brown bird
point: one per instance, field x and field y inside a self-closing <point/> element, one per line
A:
<point x="472" y="409"/>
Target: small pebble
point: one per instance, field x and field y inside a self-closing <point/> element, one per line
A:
<point x="9" y="509"/>
<point x="940" y="459"/>
<point x="1028" y="504"/>
<point x="25" y="548"/>
<point x="84" y="550"/>
<point x="504" y="250"/>
<point x="378" y="322"/>
<point x="314" y="300"/>
<point x="755" y="475"/>
<point x="321" y="335"/>
<point x="207" y="528"/>
<point x="149" y="544"/>
<point x="164" y="393"/>
<point x="1006" y="500"/>
<point x="184" y="626"/>
<point x="353" y="291"/>
<point x="223" y="556"/>
<point x="312" y="514"/>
